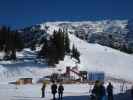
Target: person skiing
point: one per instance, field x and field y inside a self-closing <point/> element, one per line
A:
<point x="60" y="91"/>
<point x="54" y="90"/>
<point x="43" y="89"/>
<point x="110" y="91"/>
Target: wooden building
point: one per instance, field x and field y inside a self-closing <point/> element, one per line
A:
<point x="24" y="81"/>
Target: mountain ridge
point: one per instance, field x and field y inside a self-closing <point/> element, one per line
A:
<point x="117" y="34"/>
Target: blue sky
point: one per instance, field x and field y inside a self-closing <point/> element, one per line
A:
<point x="21" y="13"/>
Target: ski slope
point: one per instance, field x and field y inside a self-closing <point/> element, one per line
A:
<point x="95" y="57"/>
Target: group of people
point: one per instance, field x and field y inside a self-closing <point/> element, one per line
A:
<point x="99" y="91"/>
<point x="54" y="90"/>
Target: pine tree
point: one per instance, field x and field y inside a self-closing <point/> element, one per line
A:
<point x="75" y="54"/>
<point x="2" y="37"/>
<point x="10" y="42"/>
<point x="67" y="44"/>
<point x="55" y="48"/>
<point x="52" y="58"/>
<point x="58" y="39"/>
<point x="49" y="52"/>
<point x="44" y="51"/>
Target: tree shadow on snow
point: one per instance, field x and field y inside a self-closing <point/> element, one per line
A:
<point x="25" y="98"/>
<point x="85" y="97"/>
<point x="121" y="96"/>
<point x="24" y="64"/>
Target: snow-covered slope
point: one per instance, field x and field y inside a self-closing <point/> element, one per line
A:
<point x="88" y="26"/>
<point x="95" y="57"/>
<point x="25" y="66"/>
<point x="111" y="33"/>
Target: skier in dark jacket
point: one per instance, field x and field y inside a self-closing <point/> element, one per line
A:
<point x="43" y="89"/>
<point x="110" y="91"/>
<point x="60" y="91"/>
<point x="54" y="90"/>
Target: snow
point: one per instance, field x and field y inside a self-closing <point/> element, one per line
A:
<point x="33" y="92"/>
<point x="94" y="57"/>
<point x="111" y="26"/>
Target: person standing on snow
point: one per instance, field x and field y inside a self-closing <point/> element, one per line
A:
<point x="96" y="91"/>
<point x="54" y="90"/>
<point x="110" y="91"/>
<point x="102" y="92"/>
<point x="43" y="89"/>
<point x="60" y="91"/>
<point x="132" y="92"/>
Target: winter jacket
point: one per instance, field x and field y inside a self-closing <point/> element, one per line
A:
<point x="102" y="91"/>
<point x="110" y="89"/>
<point x="44" y="86"/>
<point x="60" y="89"/>
<point x="54" y="88"/>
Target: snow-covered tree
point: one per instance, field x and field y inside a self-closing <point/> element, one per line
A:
<point x="10" y="42"/>
<point x="75" y="54"/>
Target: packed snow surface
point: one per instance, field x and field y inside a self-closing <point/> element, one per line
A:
<point x="33" y="92"/>
<point x="95" y="57"/>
